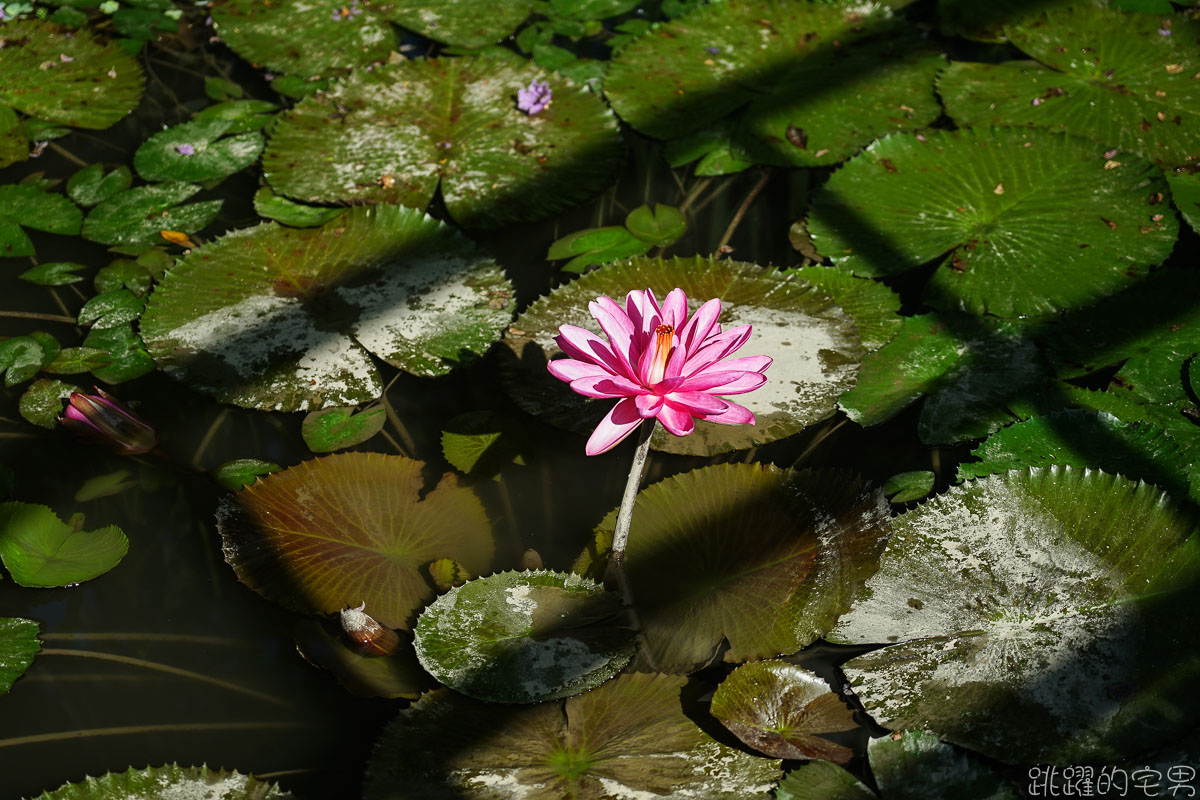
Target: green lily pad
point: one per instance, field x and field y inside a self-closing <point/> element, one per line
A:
<point x="42" y="402"/>
<point x="240" y="472"/>
<point x="969" y="370"/>
<point x="111" y="309"/>
<point x="763" y="558"/>
<point x="907" y="765"/>
<point x="781" y="709"/>
<point x="20" y="359"/>
<point x="66" y="76"/>
<point x="40" y="550"/>
<point x="243" y="115"/>
<point x="138" y="216"/>
<point x="92" y="184"/>
<point x="27" y="205"/>
<point x="1105" y="74"/>
<point x="395" y="134"/>
<point x="18" y="645"/>
<point x="350" y="528"/>
<point x="197" y="151"/>
<point x="53" y="273"/>
<point x="1125" y="325"/>
<point x="304" y="39"/>
<point x="904" y="487"/>
<point x="1163" y="374"/>
<point x="123" y="274"/>
<point x="1185" y="191"/>
<point x="1082" y="438"/>
<point x="76" y="360"/>
<point x="594" y="246"/>
<point x="168" y="782"/>
<point x="628" y="738"/>
<point x="332" y="429"/>
<point x="395" y="675"/>
<point x="874" y="307"/>
<point x="714" y="148"/>
<point x="127" y="357"/>
<point x="465" y="23"/>
<point x="784" y="60"/>
<point x="814" y="345"/>
<point x="661" y="225"/>
<point x="1043" y="616"/>
<point x="297" y="215"/>
<point x="524" y="637"/>
<point x="990" y="202"/>
<point x="481" y="443"/>
<point x="14" y="142"/>
<point x="285" y="319"/>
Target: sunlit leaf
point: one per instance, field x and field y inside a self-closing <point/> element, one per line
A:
<point x="627" y="738"/>
<point x="814" y="345"/>
<point x="351" y="528"/>
<point x="524" y="637"/>
<point x="66" y="76"/>
<point x="780" y="709"/>
<point x="297" y="215"/>
<point x="331" y="429"/>
<point x="42" y="402"/>
<point x="74" y="360"/>
<point x="904" y="487"/>
<point x="243" y="115"/>
<point x="92" y="184"/>
<point x="197" y="151"/>
<point x="1041" y="616"/>
<point x="990" y="203"/>
<point x="233" y="475"/>
<point x="284" y="318"/>
<point x="594" y="246"/>
<point x="38" y="549"/>
<point x="111" y="309"/>
<point x="395" y="134"/>
<point x="1111" y="76"/>
<point x="874" y="307"/>
<point x="18" y="645"/>
<point x="167" y="783"/>
<point x="467" y="23"/>
<point x="661" y="225"/>
<point x="136" y="216"/>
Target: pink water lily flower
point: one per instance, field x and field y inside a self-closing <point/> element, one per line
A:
<point x="660" y="363"/>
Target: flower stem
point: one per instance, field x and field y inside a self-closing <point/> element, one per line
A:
<point x="625" y="514"/>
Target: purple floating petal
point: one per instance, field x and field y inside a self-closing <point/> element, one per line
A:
<point x="185" y="150"/>
<point x="534" y="99"/>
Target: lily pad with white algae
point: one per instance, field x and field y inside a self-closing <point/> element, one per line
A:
<point x="287" y="319"/>
<point x="1046" y="615"/>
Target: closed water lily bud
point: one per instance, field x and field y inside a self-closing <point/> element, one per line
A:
<point x="531" y="560"/>
<point x="366" y="635"/>
<point x="102" y="418"/>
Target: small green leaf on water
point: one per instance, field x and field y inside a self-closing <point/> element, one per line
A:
<point x="661" y="226"/>
<point x="914" y="765"/>
<point x="196" y="151"/>
<point x="28" y="205"/>
<point x="446" y="573"/>
<point x="14" y="142"/>
<point x="782" y="710"/>
<point x="74" y="360"/>
<point x="110" y="309"/>
<point x="904" y="487"/>
<point x="127" y="356"/>
<point x="289" y="212"/>
<point x="92" y="184"/>
<point x="18" y="645"/>
<point x="42" y="402"/>
<point x="220" y="90"/>
<point x="596" y="246"/>
<point x="137" y="216"/>
<point x="480" y="443"/>
<point x="106" y="485"/>
<point x="524" y="637"/>
<point x="330" y="429"/>
<point x="123" y="274"/>
<point x="20" y="359"/>
<point x="39" y="550"/>
<point x="53" y="273"/>
<point x="233" y="475"/>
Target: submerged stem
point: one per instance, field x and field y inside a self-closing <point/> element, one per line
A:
<point x="187" y="727"/>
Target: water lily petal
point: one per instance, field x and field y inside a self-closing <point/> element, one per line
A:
<point x="699" y="327"/>
<point x="617" y="327"/>
<point x="607" y="386"/>
<point x="621" y="421"/>
<point x="696" y="403"/>
<point x="649" y="404"/>
<point x="644" y="313"/>
<point x="723" y="382"/>
<point x="716" y="348"/>
<point x="675" y="419"/>
<point x="674" y="309"/>
<point x="583" y="345"/>
<point x="745" y="364"/>
<point x="732" y="415"/>
<point x="568" y="369"/>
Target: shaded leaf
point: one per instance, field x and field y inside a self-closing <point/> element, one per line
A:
<point x="904" y="487"/>
<point x="661" y="226"/>
<point x="233" y="475"/>
<point x="18" y="645"/>
<point x="524" y="637"/>
<point x="989" y="202"/>
<point x="137" y="216"/>
<point x="466" y="23"/>
<point x="780" y="709"/>
<point x="14" y="142"/>
<point x="350" y="528"/>
<point x="627" y="738"/>
<point x="397" y="675"/>
<point x="284" y="318"/>
<point x="28" y="205"/>
<point x="331" y="429"/>
<point x="1185" y="191"/>
<point x="122" y="274"/>
<point x="127" y="356"/>
<point x="66" y="76"/>
<point x="480" y="443"/>
<point x="297" y="215"/>
<point x="814" y="345"/>
<point x="713" y="147"/>
<point x="822" y="780"/>
<point x="39" y="550"/>
<point x="913" y="765"/>
<point x="243" y="115"/>
<point x="111" y="309"/>
<point x="402" y="130"/>
<point x="53" y="273"/>
<point x="74" y="360"/>
<point x="1064" y="597"/>
<point x="92" y="184"/>
<point x="42" y="402"/>
<point x="20" y="359"/>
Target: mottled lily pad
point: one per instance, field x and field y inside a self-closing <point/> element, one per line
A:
<point x="197" y="151"/>
<point x="814" y="344"/>
<point x="524" y="637"/>
<point x="66" y="76"/>
<point x="14" y="142"/>
<point x="818" y="78"/>
<point x="304" y="38"/>
<point x="336" y="428"/>
<point x="282" y="318"/>
<point x="139" y="216"/>
<point x="781" y="709"/>
<point x="1046" y="615"/>
<point x="42" y="402"/>
<point x="763" y="558"/>
<point x="351" y="528"/>
<point x="167" y="783"/>
<point x="1108" y="75"/>
<point x="395" y="134"/>
<point x="465" y="23"/>
<point x="969" y="370"/>
<point x="18" y="645"/>
<point x="40" y="550"/>
<point x="989" y="204"/>
<point x="628" y="738"/>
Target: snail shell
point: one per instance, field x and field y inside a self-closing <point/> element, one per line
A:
<point x="365" y="634"/>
